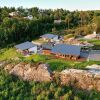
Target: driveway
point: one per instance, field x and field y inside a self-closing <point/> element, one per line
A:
<point x="93" y="55"/>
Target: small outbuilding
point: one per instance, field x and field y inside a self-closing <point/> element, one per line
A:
<point x="57" y="21"/>
<point x="50" y="37"/>
<point x="30" y="17"/>
<point x="12" y="14"/>
<point x="26" y="48"/>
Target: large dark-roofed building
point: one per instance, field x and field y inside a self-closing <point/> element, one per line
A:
<point x="67" y="51"/>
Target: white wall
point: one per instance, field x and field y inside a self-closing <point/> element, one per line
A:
<point x="55" y="38"/>
<point x="30" y="17"/>
<point x="33" y="49"/>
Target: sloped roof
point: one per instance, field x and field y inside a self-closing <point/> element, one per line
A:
<point x="47" y="46"/>
<point x="66" y="49"/>
<point x="25" y="45"/>
<point x="49" y="36"/>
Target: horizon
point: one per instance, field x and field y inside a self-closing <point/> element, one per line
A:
<point x="67" y="5"/>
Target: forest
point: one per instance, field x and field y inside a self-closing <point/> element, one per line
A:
<point x="17" y="29"/>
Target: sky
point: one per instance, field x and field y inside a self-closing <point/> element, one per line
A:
<point x="54" y="4"/>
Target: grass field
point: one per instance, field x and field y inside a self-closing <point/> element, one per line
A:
<point x="59" y="64"/>
<point x="55" y="64"/>
<point x="95" y="42"/>
<point x="8" y="53"/>
<point x="41" y="41"/>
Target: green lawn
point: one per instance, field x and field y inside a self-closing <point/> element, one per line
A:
<point x="69" y="36"/>
<point x="94" y="41"/>
<point x="41" y="41"/>
<point x="59" y="64"/>
<point x="55" y="64"/>
<point x="37" y="58"/>
<point x="8" y="53"/>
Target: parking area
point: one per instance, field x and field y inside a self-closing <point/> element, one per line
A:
<point x="93" y="55"/>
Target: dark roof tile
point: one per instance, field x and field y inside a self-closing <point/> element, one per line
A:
<point x="49" y="36"/>
<point x="47" y="46"/>
<point x="66" y="49"/>
<point x="25" y="45"/>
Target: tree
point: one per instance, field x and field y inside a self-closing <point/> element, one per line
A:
<point x="96" y="24"/>
<point x="35" y="11"/>
<point x="68" y="20"/>
<point x="84" y="17"/>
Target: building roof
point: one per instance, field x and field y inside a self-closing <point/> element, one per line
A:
<point x="49" y="36"/>
<point x="25" y="45"/>
<point x="66" y="49"/>
<point x="47" y="46"/>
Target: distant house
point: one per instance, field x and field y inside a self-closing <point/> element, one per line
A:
<point x="93" y="36"/>
<point x="66" y="51"/>
<point x="57" y="21"/>
<point x="30" y="17"/>
<point x="12" y="14"/>
<point x="26" y="48"/>
<point x="50" y="37"/>
<point x="46" y="48"/>
<point x="90" y="36"/>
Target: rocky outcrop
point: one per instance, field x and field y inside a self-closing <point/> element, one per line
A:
<point x="84" y="79"/>
<point x="9" y="67"/>
<point x="94" y="67"/>
<point x="29" y="72"/>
